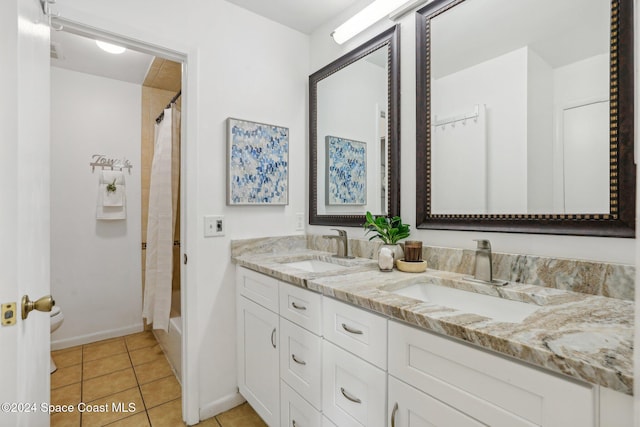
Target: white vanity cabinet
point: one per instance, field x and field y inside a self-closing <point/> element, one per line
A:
<point x="487" y="388"/>
<point x="306" y="360"/>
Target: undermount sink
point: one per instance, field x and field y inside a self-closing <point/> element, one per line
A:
<point x="314" y="265"/>
<point x="503" y="310"/>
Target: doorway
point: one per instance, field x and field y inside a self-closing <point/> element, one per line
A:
<point x="93" y="281"/>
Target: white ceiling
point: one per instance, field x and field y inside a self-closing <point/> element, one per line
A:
<point x="561" y="32"/>
<point x="302" y="15"/>
<point x="81" y="54"/>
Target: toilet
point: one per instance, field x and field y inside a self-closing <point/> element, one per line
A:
<point x="56" y="320"/>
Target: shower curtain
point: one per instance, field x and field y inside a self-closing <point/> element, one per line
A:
<point x="163" y="205"/>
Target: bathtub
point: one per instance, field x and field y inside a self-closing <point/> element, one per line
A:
<point x="171" y="344"/>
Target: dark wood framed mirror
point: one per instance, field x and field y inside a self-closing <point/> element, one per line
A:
<point x="354" y="134"/>
<point x="525" y="117"/>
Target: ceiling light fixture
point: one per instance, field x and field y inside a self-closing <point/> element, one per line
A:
<point x="111" y="48"/>
<point x="370" y="15"/>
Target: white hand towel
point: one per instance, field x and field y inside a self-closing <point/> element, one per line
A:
<point x="111" y="205"/>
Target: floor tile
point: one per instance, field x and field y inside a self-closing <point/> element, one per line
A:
<point x="152" y="371"/>
<point x="167" y="415"/>
<point x="106" y="385"/>
<point x="65" y="419"/>
<point x="140" y="340"/>
<point x="211" y="422"/>
<point x="240" y="416"/>
<point x="66" y="376"/>
<point x="103" y="349"/>
<point x="110" y="403"/>
<point x="67" y="395"/>
<point x="67" y="357"/>
<point x="106" y="365"/>
<point x="161" y="391"/>
<point x="146" y="355"/>
<point x="138" y="420"/>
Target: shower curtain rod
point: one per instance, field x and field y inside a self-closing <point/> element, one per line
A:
<point x="173" y="100"/>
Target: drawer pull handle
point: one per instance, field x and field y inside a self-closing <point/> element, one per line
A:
<point x="299" y="362"/>
<point x="298" y="307"/>
<point x="349" y="396"/>
<point x="393" y="415"/>
<point x="351" y="330"/>
<point x="273" y="335"/>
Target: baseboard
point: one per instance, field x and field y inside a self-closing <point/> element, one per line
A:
<point x="96" y="336"/>
<point x="219" y="406"/>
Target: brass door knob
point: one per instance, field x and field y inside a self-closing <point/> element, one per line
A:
<point x="45" y="303"/>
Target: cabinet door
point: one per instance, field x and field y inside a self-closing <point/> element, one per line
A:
<point x="409" y="407"/>
<point x="297" y="412"/>
<point x="258" y="373"/>
<point x="301" y="361"/>
<point x="354" y="392"/>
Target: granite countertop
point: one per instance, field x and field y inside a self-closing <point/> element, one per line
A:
<point x="583" y="336"/>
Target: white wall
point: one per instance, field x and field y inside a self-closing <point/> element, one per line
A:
<point x="540" y="178"/>
<point x="239" y="65"/>
<point x="501" y="85"/>
<point x="324" y="50"/>
<point x="95" y="264"/>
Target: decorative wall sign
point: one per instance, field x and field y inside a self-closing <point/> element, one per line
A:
<point x="257" y="163"/>
<point x="346" y="171"/>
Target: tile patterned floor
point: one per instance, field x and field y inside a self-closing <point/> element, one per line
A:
<point x="131" y="371"/>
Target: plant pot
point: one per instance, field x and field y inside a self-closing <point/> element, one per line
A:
<point x="387" y="258"/>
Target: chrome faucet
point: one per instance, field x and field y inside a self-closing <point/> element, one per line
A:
<point x="343" y="243"/>
<point x="484" y="270"/>
<point x="484" y="266"/>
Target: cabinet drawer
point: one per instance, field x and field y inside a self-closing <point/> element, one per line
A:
<point x="327" y="423"/>
<point x="296" y="412"/>
<point x="354" y="392"/>
<point x="258" y="288"/>
<point x="302" y="307"/>
<point x="492" y="389"/>
<point x="409" y="407"/>
<point x="356" y="330"/>
<point x="300" y="361"/>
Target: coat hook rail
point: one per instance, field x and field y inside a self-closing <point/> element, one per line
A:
<point x="102" y="161"/>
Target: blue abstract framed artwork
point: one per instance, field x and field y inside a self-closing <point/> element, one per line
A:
<point x="258" y="163"/>
<point x="346" y="171"/>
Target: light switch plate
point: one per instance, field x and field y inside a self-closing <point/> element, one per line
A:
<point x="214" y="226"/>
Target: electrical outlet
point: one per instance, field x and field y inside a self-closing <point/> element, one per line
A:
<point x="214" y="226"/>
<point x="300" y="221"/>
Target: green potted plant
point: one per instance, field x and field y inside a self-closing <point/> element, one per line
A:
<point x="390" y="231"/>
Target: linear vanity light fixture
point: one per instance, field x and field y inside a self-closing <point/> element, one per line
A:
<point x="370" y="15"/>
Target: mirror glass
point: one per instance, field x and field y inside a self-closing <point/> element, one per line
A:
<point x="353" y="128"/>
<point x="519" y="122"/>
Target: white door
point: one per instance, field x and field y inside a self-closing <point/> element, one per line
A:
<point x="24" y="210"/>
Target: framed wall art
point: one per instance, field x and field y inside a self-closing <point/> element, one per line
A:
<point x="346" y="171"/>
<point x="257" y="163"/>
